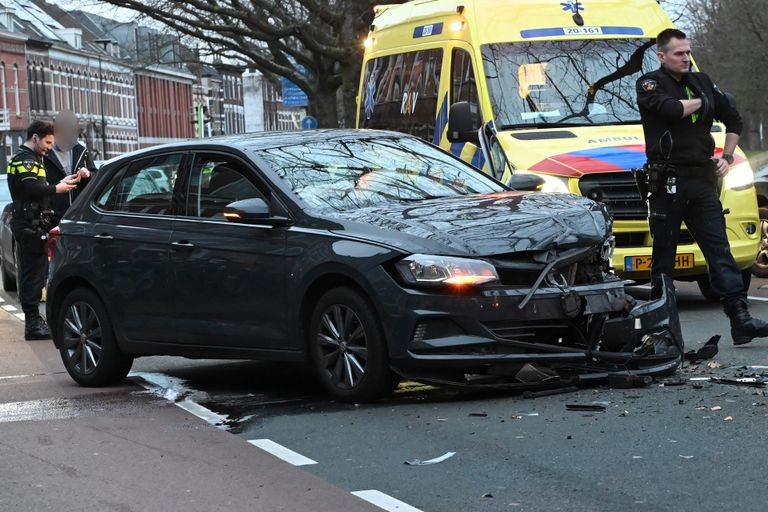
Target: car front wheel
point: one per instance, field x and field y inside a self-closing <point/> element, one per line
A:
<point x="87" y="341"/>
<point x="760" y="267"/>
<point x="347" y="347"/>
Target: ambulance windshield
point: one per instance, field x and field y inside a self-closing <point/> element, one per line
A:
<point x="566" y="83"/>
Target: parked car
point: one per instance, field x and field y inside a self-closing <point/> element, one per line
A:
<point x="7" y="249"/>
<point x="372" y="255"/>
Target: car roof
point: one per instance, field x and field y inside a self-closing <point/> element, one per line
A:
<point x="265" y="140"/>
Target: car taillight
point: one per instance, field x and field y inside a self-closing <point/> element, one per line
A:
<point x="53" y="239"/>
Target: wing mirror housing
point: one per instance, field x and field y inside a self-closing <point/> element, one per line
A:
<point x="253" y="211"/>
<point x="527" y="182"/>
<point x="462" y="123"/>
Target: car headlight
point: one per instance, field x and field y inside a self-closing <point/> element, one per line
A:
<point x="424" y="269"/>
<point x="740" y="177"/>
<point x="555" y="184"/>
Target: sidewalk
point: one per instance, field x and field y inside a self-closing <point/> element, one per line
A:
<point x="64" y="447"/>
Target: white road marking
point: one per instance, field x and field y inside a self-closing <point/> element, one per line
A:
<point x="20" y="316"/>
<point x="763" y="299"/>
<point x="8" y="307"/>
<point x="281" y="452"/>
<point x="384" y="501"/>
<point x="2" y="299"/>
<point x="202" y="412"/>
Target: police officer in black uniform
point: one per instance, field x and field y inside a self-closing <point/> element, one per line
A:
<point x="678" y="107"/>
<point x="31" y="220"/>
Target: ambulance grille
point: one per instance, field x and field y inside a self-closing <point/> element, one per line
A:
<point x="617" y="190"/>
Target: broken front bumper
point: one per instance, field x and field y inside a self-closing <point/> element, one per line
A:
<point x="559" y="338"/>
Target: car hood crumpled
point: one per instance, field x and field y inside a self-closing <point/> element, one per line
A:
<point x="483" y="225"/>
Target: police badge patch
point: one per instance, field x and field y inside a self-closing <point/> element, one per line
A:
<point x="29" y="165"/>
<point x="648" y="85"/>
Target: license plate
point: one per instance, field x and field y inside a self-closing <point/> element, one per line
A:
<point x="640" y="263"/>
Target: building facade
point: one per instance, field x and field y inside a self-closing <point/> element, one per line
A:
<point x="14" y="100"/>
<point x="164" y="99"/>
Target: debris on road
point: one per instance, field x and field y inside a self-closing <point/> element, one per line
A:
<point x="621" y="381"/>
<point x="585" y="407"/>
<point x="549" y="392"/>
<point x="753" y="382"/>
<point x="436" y="460"/>
<point x="686" y="456"/>
<point x="478" y="414"/>
<point x="728" y="418"/>
<point x="715" y="408"/>
<point x="707" y="351"/>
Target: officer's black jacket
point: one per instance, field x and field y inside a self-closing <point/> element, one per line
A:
<point x="55" y="173"/>
<point x="687" y="143"/>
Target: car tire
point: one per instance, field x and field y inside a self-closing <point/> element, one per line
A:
<point x="9" y="280"/>
<point x="348" y="349"/>
<point x="87" y="342"/>
<point x="760" y="267"/>
<point x="706" y="287"/>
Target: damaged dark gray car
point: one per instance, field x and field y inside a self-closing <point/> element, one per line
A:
<point x="372" y="255"/>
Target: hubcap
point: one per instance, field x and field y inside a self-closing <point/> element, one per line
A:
<point x="82" y="338"/>
<point x="343" y="348"/>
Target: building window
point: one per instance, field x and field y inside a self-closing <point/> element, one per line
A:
<point x="4" y="100"/>
<point x="16" y="88"/>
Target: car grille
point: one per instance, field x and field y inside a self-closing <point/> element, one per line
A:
<point x="618" y="191"/>
<point x="638" y="239"/>
<point x="549" y="332"/>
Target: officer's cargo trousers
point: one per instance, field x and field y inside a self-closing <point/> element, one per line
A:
<point x="32" y="260"/>
<point x="696" y="203"/>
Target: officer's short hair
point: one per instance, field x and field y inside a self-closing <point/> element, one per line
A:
<point x="662" y="40"/>
<point x="40" y="128"/>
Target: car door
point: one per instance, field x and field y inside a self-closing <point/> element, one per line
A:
<point x="132" y="246"/>
<point x="229" y="278"/>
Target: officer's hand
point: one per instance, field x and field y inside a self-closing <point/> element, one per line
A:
<point x="721" y="167"/>
<point x="63" y="186"/>
<point x="83" y="173"/>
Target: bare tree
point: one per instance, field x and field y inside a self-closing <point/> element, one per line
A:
<point x="730" y="45"/>
<point x="317" y="44"/>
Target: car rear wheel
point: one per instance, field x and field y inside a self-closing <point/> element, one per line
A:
<point x="9" y="280"/>
<point x="347" y="347"/>
<point x="87" y="341"/>
<point x="706" y="287"/>
<point x="760" y="267"/>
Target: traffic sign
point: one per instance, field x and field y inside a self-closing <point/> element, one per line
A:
<point x="308" y="123"/>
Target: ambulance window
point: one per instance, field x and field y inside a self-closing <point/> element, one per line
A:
<point x="400" y="93"/>
<point x="463" y="86"/>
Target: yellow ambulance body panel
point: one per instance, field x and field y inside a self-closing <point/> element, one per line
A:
<point x="555" y="83"/>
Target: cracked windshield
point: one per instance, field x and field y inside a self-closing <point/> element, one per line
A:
<point x="346" y="174"/>
<point x="566" y="83"/>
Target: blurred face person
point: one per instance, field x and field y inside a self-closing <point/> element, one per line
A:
<point x="66" y="130"/>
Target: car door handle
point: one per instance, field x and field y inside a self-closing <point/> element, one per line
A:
<point x="183" y="244"/>
<point x="103" y="237"/>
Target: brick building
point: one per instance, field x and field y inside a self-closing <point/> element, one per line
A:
<point x="14" y="104"/>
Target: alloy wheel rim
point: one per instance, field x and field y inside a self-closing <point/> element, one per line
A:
<point x="343" y="346"/>
<point x="82" y="338"/>
<point x="762" y="256"/>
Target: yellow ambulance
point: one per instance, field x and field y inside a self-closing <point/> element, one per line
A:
<point x="544" y="87"/>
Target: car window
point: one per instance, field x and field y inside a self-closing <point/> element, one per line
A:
<point x="345" y="174"/>
<point x="215" y="182"/>
<point x="145" y="186"/>
<point x="5" y="192"/>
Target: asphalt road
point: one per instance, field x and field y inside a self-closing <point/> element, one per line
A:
<point x="652" y="449"/>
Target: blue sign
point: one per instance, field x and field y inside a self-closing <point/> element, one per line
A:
<point x="308" y="123"/>
<point x="428" y="30"/>
<point x="292" y="95"/>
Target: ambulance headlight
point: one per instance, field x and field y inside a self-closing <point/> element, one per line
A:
<point x="740" y="177"/>
<point x="555" y="184"/>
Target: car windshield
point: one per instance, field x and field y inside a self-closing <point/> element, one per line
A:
<point x="571" y="83"/>
<point x="345" y="174"/>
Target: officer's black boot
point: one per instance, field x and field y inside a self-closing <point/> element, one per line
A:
<point x="743" y="327"/>
<point x="35" y="328"/>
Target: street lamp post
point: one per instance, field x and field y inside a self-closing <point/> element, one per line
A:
<point x="105" y="43"/>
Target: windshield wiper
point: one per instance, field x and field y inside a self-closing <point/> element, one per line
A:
<point x="542" y="125"/>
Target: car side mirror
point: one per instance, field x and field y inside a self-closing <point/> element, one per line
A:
<point x="253" y="211"/>
<point x="525" y="181"/>
<point x="462" y="123"/>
